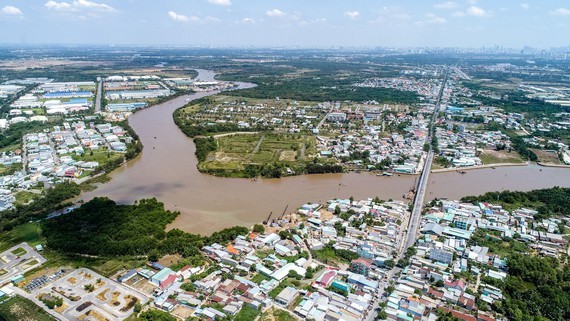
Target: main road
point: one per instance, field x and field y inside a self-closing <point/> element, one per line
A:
<point x="409" y="235"/>
<point x="99" y="96"/>
<point x="415" y="216"/>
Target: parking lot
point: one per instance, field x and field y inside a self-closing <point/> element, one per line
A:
<point x="18" y="260"/>
<point x="88" y="295"/>
<point x="42" y="280"/>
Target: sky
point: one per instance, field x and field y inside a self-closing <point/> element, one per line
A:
<point x="274" y="23"/>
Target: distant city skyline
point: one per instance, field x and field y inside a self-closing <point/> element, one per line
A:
<point x="270" y="23"/>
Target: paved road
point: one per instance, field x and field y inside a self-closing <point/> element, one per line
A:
<point x="418" y="202"/>
<point x="99" y="95"/>
<point x="409" y="236"/>
<point x="11" y="264"/>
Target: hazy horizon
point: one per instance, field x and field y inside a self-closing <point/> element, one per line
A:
<point x="294" y="23"/>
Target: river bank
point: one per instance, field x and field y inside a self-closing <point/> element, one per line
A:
<point x="553" y="165"/>
<point x="492" y="166"/>
<point x="166" y="169"/>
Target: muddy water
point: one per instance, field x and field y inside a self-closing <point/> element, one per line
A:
<point x="166" y="169"/>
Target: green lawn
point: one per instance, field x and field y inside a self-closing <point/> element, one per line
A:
<point x="19" y="308"/>
<point x="247" y="313"/>
<point x="262" y="254"/>
<point x="19" y="251"/>
<point x="258" y="278"/>
<point x="29" y="232"/>
<point x="285" y="283"/>
<point x="100" y="155"/>
<point x="23" y="197"/>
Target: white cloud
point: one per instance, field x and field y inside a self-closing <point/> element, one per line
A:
<point x="432" y="19"/>
<point x="13" y="11"/>
<point x="352" y="14"/>
<point x="476" y="11"/>
<point x="57" y="5"/>
<point x="275" y="13"/>
<point x="446" y="5"/>
<point x="248" y="20"/>
<point x="78" y="5"/>
<point x="525" y="6"/>
<point x="560" y="12"/>
<point x="221" y="2"/>
<point x="178" y="17"/>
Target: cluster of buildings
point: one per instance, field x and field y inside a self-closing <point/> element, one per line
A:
<point x="134" y="88"/>
<point x="52" y="98"/>
<point x="453" y="270"/>
<point x="278" y="114"/>
<point x="460" y="147"/>
<point x="198" y="85"/>
<point x="57" y="104"/>
<point x="7" y="90"/>
<point x="401" y="151"/>
<point x="427" y="87"/>
<point x="48" y="156"/>
<point x="267" y="269"/>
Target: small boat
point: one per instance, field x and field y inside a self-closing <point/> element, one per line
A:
<point x="493" y="167"/>
<point x="387" y="174"/>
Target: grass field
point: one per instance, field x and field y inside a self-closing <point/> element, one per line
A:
<point x="105" y="266"/>
<point x="21" y="309"/>
<point x="498" y="157"/>
<point x="258" y="278"/>
<point x="236" y="150"/>
<point x="101" y="156"/>
<point x="30" y="233"/>
<point x="24" y="197"/>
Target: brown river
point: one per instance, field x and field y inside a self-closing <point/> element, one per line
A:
<point x="166" y="169"/>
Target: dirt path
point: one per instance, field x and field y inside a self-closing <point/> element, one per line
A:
<point x="256" y="149"/>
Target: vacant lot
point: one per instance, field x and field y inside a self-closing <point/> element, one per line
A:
<point x="499" y="157"/>
<point x="21" y="309"/>
<point x="546" y="156"/>
<point x="235" y="151"/>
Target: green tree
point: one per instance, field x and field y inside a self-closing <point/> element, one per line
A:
<point x="154" y="255"/>
<point x="258" y="228"/>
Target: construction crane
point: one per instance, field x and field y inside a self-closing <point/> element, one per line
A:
<point x="267" y="220"/>
<point x="285" y="210"/>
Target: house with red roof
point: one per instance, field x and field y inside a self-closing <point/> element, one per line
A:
<point x="361" y="266"/>
<point x="326" y="278"/>
<point x="456" y="284"/>
<point x="166" y="283"/>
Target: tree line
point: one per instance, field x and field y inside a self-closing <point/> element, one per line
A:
<point x="51" y="200"/>
<point x="548" y="202"/>
<point x="101" y="227"/>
